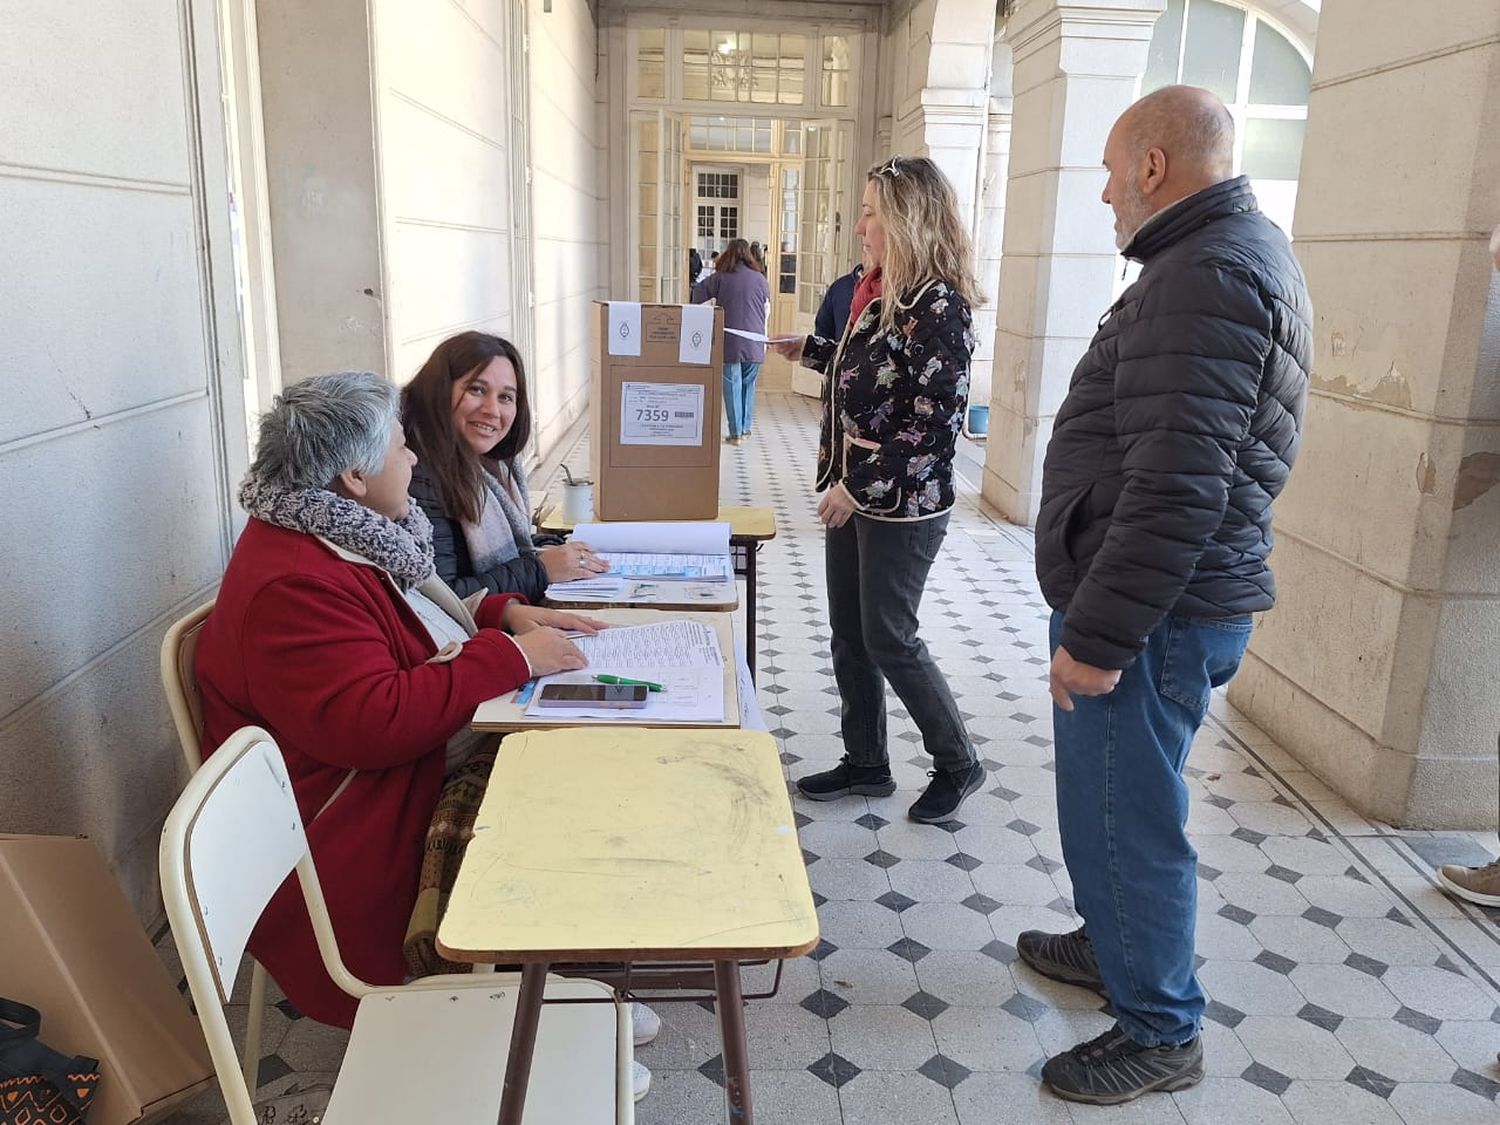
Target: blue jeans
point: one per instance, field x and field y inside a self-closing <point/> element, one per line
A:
<point x="739" y="396"/>
<point x="1122" y="808"/>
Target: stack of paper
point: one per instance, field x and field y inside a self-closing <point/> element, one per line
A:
<point x="682" y="656"/>
<point x="687" y="551"/>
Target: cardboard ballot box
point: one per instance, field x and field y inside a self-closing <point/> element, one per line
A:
<point x="654" y="410"/>
<point x="71" y="947"/>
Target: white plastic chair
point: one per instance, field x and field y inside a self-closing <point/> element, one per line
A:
<point x="179" y="679"/>
<point x="433" y="1050"/>
<point x="179" y="651"/>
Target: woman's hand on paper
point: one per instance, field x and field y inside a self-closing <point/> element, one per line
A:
<point x="548" y="651"/>
<point x="836" y="506"/>
<point x="787" y="347"/>
<point x="521" y="619"/>
<point x="571" y="561"/>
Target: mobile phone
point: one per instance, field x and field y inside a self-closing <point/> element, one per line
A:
<point x="593" y="695"/>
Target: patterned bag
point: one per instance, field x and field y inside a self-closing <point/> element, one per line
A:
<point x="39" y="1086"/>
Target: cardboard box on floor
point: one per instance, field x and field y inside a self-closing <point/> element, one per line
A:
<point x="71" y="947"/>
<point x="657" y="396"/>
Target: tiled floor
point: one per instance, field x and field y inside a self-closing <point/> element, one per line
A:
<point x="1344" y="988"/>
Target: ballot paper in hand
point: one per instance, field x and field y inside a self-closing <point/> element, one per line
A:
<point x="683" y="656"/>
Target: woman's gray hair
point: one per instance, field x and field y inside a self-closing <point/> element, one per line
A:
<point x="322" y="426"/>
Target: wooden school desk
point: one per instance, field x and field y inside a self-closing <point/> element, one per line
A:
<point x="748" y="529"/>
<point x="613" y="844"/>
<point x="504" y="715"/>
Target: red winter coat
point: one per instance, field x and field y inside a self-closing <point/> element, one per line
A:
<point x="327" y="656"/>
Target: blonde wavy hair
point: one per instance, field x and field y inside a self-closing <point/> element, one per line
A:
<point x="925" y="238"/>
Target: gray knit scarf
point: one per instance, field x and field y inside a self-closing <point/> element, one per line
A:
<point x="403" y="549"/>
<point x="506" y="534"/>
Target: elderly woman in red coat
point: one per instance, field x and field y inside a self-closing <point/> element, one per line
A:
<point x="332" y="631"/>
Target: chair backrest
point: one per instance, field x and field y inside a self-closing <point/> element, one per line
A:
<point x="179" y="650"/>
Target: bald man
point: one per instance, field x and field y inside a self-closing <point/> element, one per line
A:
<point x="1178" y="430"/>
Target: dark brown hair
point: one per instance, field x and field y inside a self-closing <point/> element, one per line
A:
<point x="427" y="415"/>
<point x="735" y="254"/>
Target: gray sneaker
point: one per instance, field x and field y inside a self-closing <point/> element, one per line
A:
<point x="1477" y="884"/>
<point x="1065" y="957"/>
<point x="1114" y="1068"/>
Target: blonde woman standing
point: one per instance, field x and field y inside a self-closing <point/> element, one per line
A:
<point x="894" y="390"/>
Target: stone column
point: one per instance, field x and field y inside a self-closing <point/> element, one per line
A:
<point x="1380" y="666"/>
<point x="988" y="232"/>
<point x="1077" y="67"/>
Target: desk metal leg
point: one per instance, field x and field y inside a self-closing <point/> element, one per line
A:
<point x="731" y="1006"/>
<point x="751" y="550"/>
<point x="522" y="1043"/>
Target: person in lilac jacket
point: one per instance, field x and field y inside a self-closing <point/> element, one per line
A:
<point x="745" y="295"/>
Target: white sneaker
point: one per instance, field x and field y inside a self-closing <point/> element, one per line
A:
<point x="645" y="1025"/>
<point x="640" y="1081"/>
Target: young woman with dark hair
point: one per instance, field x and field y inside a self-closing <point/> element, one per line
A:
<point x="468" y="419"/>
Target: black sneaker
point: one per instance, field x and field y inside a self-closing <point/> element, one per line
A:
<point x="1114" y="1068"/>
<point x="944" y="793"/>
<point x="845" y="779"/>
<point x="1065" y="957"/>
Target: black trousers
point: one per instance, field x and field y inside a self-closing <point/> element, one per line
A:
<point x="877" y="570"/>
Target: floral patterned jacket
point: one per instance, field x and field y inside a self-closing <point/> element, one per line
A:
<point x="893" y="403"/>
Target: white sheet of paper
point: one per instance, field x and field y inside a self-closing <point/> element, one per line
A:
<point x="667" y="537"/>
<point x="626" y="592"/>
<point x="754" y="337"/>
<point x="751" y="717"/>
<point x="590" y="590"/>
<point x="696" y="341"/>
<point x="661" y="413"/>
<point x="624" y="328"/>
<point x="682" y="656"/>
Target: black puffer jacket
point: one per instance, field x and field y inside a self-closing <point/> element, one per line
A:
<point x="1178" y="430"/>
<point x="525" y="574"/>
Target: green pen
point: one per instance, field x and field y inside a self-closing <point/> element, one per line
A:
<point x="647" y="684"/>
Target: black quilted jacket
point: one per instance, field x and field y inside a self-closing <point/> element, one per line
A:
<point x="525" y="574"/>
<point x="1179" y="429"/>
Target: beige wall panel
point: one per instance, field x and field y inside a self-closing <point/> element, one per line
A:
<point x="94" y="88"/>
<point x="141" y="533"/>
<point x="435" y="55"/>
<point x="1389" y="471"/>
<point x="98" y="756"/>
<point x="1404" y="325"/>
<point x="1348" y="121"/>
<point x="107" y="316"/>
<point x="1352" y="37"/>
<point x="1339" y="632"/>
<point x="436" y="171"/>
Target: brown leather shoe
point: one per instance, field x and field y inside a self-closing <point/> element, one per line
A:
<point x="1476" y="884"/>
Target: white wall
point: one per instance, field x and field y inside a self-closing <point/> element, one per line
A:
<point x="122" y="423"/>
<point x="459" y="253"/>
<point x="445" y="159"/>
<point x="570" y="248"/>
<point x="322" y="186"/>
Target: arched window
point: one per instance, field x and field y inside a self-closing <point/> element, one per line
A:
<point x="1263" y="78"/>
